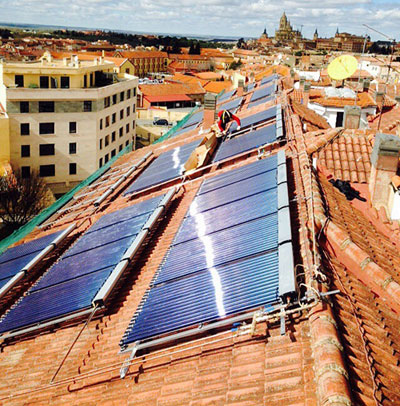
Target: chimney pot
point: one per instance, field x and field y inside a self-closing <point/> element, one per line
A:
<point x="352" y="116"/>
<point x="384" y="165"/>
<point x="210" y="109"/>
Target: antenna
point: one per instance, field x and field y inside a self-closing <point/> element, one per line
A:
<point x="393" y="41"/>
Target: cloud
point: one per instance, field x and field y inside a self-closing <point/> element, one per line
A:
<point x="208" y="17"/>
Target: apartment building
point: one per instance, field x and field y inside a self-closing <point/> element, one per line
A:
<point x="67" y="117"/>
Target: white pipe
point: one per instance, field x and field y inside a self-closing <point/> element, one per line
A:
<point x="130" y="253"/>
<point x="140" y="346"/>
<point x="16" y="278"/>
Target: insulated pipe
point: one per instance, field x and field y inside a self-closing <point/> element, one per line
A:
<point x="140" y="346"/>
<point x="17" y="277"/>
<point x="120" y="181"/>
<point x="130" y="253"/>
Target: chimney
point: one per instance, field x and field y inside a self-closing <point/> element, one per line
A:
<point x="378" y="96"/>
<point x="384" y="165"/>
<point x="302" y="81"/>
<point x="103" y="54"/>
<point x="366" y="83"/>
<point x="210" y="109"/>
<point x="239" y="90"/>
<point x="306" y="93"/>
<point x="101" y="60"/>
<point x="352" y="116"/>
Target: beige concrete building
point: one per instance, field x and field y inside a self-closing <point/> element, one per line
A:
<point x="67" y="117"/>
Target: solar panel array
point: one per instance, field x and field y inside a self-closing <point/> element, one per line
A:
<point x="232" y="105"/>
<point x="250" y="86"/>
<point x="167" y="166"/>
<point x="224" y="259"/>
<point x="263" y="95"/>
<point x="186" y="129"/>
<point x="246" y="142"/>
<point x="268" y="79"/>
<point x="254" y="119"/>
<point x="70" y="285"/>
<point x="16" y="258"/>
<point x="195" y="119"/>
<point x="226" y="96"/>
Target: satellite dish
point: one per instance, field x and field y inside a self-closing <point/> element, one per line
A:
<point x="342" y="67"/>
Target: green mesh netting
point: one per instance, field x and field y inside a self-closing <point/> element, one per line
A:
<point x="177" y="127"/>
<point x="49" y="211"/>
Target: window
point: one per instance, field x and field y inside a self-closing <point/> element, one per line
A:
<point x="101" y="143"/>
<point x="19" y="81"/>
<point x="84" y="81"/>
<point x="44" y="82"/>
<point x="26" y="171"/>
<point x="47" y="170"/>
<point x="134" y="91"/>
<point x="101" y="124"/>
<point x="113" y="136"/>
<point x="107" y="102"/>
<point x="128" y="111"/>
<point x="46" y="107"/>
<point x="25" y="129"/>
<point x="128" y="92"/>
<point x="46" y="149"/>
<point x="107" y="140"/>
<point x="114" y="118"/>
<point x="127" y="70"/>
<point x="339" y="118"/>
<point x="127" y="128"/>
<point x="113" y="152"/>
<point x="105" y="158"/>
<point x="100" y="162"/>
<point x="25" y="151"/>
<point x="64" y="82"/>
<point x="133" y="108"/>
<point x="24" y="107"/>
<point x="72" y="169"/>
<point x="72" y="147"/>
<point x="121" y="131"/>
<point x="114" y="99"/>
<point x="121" y="96"/>
<point x="87" y="105"/>
<point x="46" y="128"/>
<point x="72" y="127"/>
<point x="120" y="147"/>
<point x="121" y="114"/>
<point x="53" y="83"/>
<point x="127" y="143"/>
<point x="108" y="121"/>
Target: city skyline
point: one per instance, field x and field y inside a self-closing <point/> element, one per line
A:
<point x="210" y="17"/>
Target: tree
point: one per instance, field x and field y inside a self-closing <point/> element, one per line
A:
<point x="235" y="65"/>
<point x="241" y="44"/>
<point x="21" y="198"/>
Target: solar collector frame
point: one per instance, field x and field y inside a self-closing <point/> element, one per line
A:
<point x="148" y="335"/>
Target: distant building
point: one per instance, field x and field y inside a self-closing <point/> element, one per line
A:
<point x="285" y="32"/>
<point x="66" y="117"/>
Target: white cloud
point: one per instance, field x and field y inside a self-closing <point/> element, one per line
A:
<point x="213" y="17"/>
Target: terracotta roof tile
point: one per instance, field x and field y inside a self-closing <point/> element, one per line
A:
<point x="171" y="88"/>
<point x="309" y="116"/>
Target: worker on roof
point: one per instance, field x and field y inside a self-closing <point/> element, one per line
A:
<point x="225" y="117"/>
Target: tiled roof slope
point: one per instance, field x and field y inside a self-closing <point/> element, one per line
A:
<point x="345" y="155"/>
<point x="313" y="120"/>
<point x="367" y="325"/>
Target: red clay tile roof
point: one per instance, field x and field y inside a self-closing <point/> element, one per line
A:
<point x="168" y="98"/>
<point x="363" y="100"/>
<point x="171" y="88"/>
<point x="389" y="121"/>
<point x="310" y="116"/>
<point x="346" y="155"/>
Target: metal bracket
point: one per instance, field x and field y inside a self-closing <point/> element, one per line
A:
<point x="125" y="366"/>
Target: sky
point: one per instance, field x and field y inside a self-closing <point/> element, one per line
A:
<point x="218" y="18"/>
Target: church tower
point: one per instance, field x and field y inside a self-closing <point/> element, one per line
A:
<point x="315" y="35"/>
